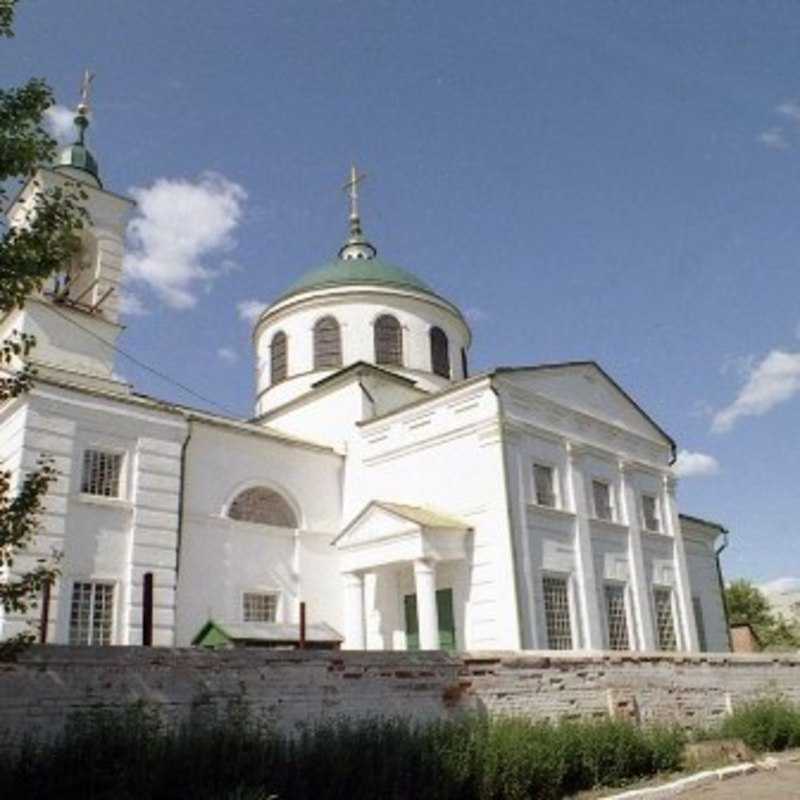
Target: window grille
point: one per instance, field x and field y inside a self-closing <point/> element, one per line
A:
<point x="601" y="492"/>
<point x="278" y="359"/>
<point x="556" y="611"/>
<point x="91" y="616"/>
<point x="388" y="341"/>
<point x="327" y="344"/>
<point x="701" y="625"/>
<point x="101" y="473"/>
<point x="650" y="513"/>
<point x="440" y="353"/>
<point x="544" y="484"/>
<point x="665" y="624"/>
<point x="617" y="617"/>
<point x="260" y="607"/>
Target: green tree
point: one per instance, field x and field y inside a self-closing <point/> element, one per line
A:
<point x="29" y="254"/>
<point x="748" y="604"/>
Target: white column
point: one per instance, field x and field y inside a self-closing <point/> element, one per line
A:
<point x="427" y="614"/>
<point x="355" y="636"/>
<point x="643" y="610"/>
<point x="682" y="584"/>
<point x="584" y="553"/>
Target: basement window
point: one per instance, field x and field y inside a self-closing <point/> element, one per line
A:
<point x="91" y="616"/>
<point x="556" y="612"/>
<point x="101" y="473"/>
<point x="665" y="621"/>
<point x="260" y="606"/>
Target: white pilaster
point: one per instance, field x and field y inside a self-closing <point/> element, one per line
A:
<point x="355" y="633"/>
<point x="683" y="588"/>
<point x="584" y="557"/>
<point x="427" y="614"/>
<point x="643" y="610"/>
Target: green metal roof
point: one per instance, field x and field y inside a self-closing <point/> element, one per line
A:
<point x="78" y="156"/>
<point x="350" y="271"/>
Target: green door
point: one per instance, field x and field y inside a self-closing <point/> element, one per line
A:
<point x="447" y="621"/>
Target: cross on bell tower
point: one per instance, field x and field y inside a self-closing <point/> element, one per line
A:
<point x="356" y="245"/>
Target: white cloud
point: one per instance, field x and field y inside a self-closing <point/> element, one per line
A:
<point x="791" y="109"/>
<point x="228" y="355"/>
<point x="180" y="225"/>
<point x="131" y="305"/>
<point x="769" y="382"/>
<point x="475" y="314"/>
<point x="781" y="585"/>
<point x="690" y="465"/>
<point x="774" y="139"/>
<point x="250" y="310"/>
<point x="59" y="122"/>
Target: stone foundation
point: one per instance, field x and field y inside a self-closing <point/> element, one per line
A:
<point x="48" y="683"/>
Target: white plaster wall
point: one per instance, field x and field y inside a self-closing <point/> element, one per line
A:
<point x="356" y="309"/>
<point x="221" y="558"/>
<point x="704" y="581"/>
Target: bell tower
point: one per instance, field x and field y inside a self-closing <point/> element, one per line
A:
<point x="75" y="317"/>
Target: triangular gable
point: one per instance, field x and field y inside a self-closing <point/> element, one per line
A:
<point x="585" y="386"/>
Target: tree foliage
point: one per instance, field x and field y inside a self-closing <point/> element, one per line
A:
<point x="31" y="251"/>
<point x="747" y="604"/>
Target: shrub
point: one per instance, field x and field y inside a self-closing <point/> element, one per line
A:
<point x="768" y="724"/>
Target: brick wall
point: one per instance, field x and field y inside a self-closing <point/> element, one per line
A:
<point x="49" y="683"/>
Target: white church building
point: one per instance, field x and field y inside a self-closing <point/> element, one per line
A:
<point x="405" y="502"/>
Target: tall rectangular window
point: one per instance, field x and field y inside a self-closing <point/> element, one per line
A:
<point x="666" y="637"/>
<point x="91" y="616"/>
<point x="601" y="492"/>
<point x="101" y="473"/>
<point x="701" y="624"/>
<point x="544" y="485"/>
<point x="650" y="513"/>
<point x="617" y="617"/>
<point x="260" y="606"/>
<point x="556" y="612"/>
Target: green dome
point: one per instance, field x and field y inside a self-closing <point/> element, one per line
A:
<point x="350" y="271"/>
<point x="78" y="156"/>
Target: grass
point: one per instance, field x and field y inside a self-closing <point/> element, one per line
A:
<point x="131" y="753"/>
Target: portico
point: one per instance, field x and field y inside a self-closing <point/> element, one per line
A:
<point x="387" y="537"/>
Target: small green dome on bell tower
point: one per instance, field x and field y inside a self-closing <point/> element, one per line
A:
<point x="77" y="156"/>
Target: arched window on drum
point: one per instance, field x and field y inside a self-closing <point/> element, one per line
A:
<point x="263" y="506"/>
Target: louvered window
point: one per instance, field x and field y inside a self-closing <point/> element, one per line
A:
<point x="440" y="353"/>
<point x="665" y="623"/>
<point x="556" y="611"/>
<point x="264" y="507"/>
<point x="617" y="617"/>
<point x="327" y="344"/>
<point x="101" y="473"/>
<point x="601" y="492"/>
<point x="388" y="341"/>
<point x="701" y="624"/>
<point x="278" y="356"/>
<point x="260" y="606"/>
<point x="91" y="618"/>
<point x="544" y="485"/>
<point x="650" y="513"/>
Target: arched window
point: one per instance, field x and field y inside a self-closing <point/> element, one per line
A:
<point x="278" y="357"/>
<point x="264" y="506"/>
<point x="464" y="365"/>
<point x="388" y="341"/>
<point x="327" y="344"/>
<point x="440" y="353"/>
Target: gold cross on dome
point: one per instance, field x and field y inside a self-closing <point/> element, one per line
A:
<point x="351" y="187"/>
<point x="86" y="87"/>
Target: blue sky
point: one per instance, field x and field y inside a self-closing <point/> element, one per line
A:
<point x="615" y="181"/>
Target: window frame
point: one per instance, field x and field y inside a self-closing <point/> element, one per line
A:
<point x="571" y="609"/>
<point x="612" y="512"/>
<point x="296" y="517"/>
<point x="623" y="587"/>
<point x="273" y="380"/>
<point x="662" y="588"/>
<point x="440" y="359"/>
<point x="335" y="357"/>
<point x="122" y="475"/>
<point x="700" y="623"/>
<point x="262" y="591"/>
<point x="93" y="582"/>
<point x="555" y="483"/>
<point x="381" y="360"/>
<point x="656" y="512"/>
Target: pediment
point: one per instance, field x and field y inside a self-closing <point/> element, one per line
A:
<point x="586" y="388"/>
<point x="375" y="524"/>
